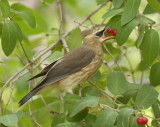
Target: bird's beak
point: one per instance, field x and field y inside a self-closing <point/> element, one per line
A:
<point x="102" y="36"/>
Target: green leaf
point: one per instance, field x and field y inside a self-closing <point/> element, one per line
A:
<point x="89" y="90"/>
<point x="1" y="25"/>
<point x="146" y="20"/>
<point x="18" y="31"/>
<point x="79" y="116"/>
<point x="57" y="119"/>
<point x="154" y="4"/>
<point x="130" y="11"/>
<point x="5" y="8"/>
<point x="112" y="12"/>
<point x="131" y="91"/>
<point x="146" y="97"/>
<point x="154" y="74"/>
<point x="41" y="25"/>
<point x="143" y="66"/>
<point x="150" y="47"/>
<point x="132" y="122"/>
<point x="116" y="83"/>
<point x="9" y="37"/>
<point x="140" y="125"/>
<point x="143" y="23"/>
<point x="89" y="101"/>
<point x="117" y="3"/>
<point x="29" y="18"/>
<point x="66" y="125"/>
<point x="9" y="120"/>
<point x="155" y="123"/>
<point x="106" y="118"/>
<point x="75" y="39"/>
<point x="124" y="31"/>
<point x="100" y="1"/>
<point x="124" y="117"/>
<point x="156" y="109"/>
<point x="148" y="10"/>
<point x="140" y="35"/>
<point x="70" y="101"/>
<point x="96" y="77"/>
<point x="114" y="22"/>
<point x="90" y="120"/>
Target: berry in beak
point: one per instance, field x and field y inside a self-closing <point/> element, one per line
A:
<point x="102" y="36"/>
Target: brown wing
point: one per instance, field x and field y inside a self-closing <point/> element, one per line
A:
<point x="69" y="64"/>
<point x="44" y="71"/>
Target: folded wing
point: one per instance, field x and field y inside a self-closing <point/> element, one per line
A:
<point x="70" y="63"/>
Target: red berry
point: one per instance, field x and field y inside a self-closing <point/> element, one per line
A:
<point x="109" y="30"/>
<point x="114" y="32"/>
<point x="142" y="120"/>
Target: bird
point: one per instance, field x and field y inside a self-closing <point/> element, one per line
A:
<point x="74" y="67"/>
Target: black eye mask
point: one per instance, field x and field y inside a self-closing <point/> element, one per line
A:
<point x="100" y="33"/>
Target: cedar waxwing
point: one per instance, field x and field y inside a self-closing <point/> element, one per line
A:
<point x="73" y="68"/>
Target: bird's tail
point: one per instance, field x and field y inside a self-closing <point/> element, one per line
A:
<point x="27" y="97"/>
<point x="31" y="93"/>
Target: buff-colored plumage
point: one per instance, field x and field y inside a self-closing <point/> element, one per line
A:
<point x="73" y="68"/>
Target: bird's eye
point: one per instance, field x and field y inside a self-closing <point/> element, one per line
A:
<point x="99" y="34"/>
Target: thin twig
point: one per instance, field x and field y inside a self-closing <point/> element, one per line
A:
<point x="141" y="81"/>
<point x="35" y="121"/>
<point x="1" y="105"/>
<point x="106" y="106"/>
<point x="92" y="23"/>
<point x="142" y="74"/>
<point x="62" y="24"/>
<point x="105" y="19"/>
<point x="81" y="25"/>
<point x="20" y="60"/>
<point x="60" y="96"/>
<point x="25" y="52"/>
<point x="32" y="68"/>
<point x="104" y="93"/>
<point x="133" y="105"/>
<point x="97" y="25"/>
<point x="101" y="24"/>
<point x="65" y="45"/>
<point x="30" y="111"/>
<point x="151" y="117"/>
<point x="50" y="34"/>
<point x="130" y="65"/>
<point x="112" y="57"/>
<point x="10" y="96"/>
<point x="49" y="110"/>
<point x="106" y="64"/>
<point x="80" y="90"/>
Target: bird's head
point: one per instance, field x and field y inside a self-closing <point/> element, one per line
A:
<point x="93" y="37"/>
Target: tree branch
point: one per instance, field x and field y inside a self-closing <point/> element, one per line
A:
<point x="25" y="52"/>
<point x="112" y="57"/>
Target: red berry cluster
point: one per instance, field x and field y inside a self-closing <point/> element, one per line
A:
<point x="142" y="120"/>
<point x="112" y="31"/>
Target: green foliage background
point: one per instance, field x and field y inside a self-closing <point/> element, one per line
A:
<point x="126" y="86"/>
